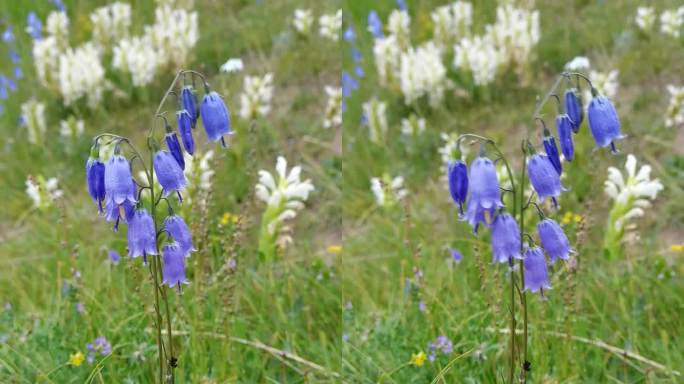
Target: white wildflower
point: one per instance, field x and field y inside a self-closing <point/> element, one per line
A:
<point x="675" y="110"/>
<point x="515" y="33"/>
<point x="255" y="100"/>
<point x="331" y="25"/>
<point x="303" y="21"/>
<point x="81" y="75"/>
<point x="399" y="25"/>
<point x="478" y="56"/>
<point x="413" y="126"/>
<point x="46" y="60"/>
<point x="376" y="119"/>
<point x="71" y="128"/>
<point x="174" y="34"/>
<point x="333" y="109"/>
<point x="111" y="23"/>
<point x="284" y="194"/>
<point x="137" y="57"/>
<point x="452" y="22"/>
<point x="450" y="151"/>
<point x="33" y="117"/>
<point x="671" y="21"/>
<point x="423" y="73"/>
<point x="43" y="192"/>
<point x="57" y="26"/>
<point x="387" y="59"/>
<point x="578" y="64"/>
<point x="232" y="65"/>
<point x="388" y="191"/>
<point x="645" y="18"/>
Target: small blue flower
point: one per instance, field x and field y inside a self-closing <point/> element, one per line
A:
<point x="485" y="195"/>
<point x="174" y="148"/>
<point x="185" y="128"/>
<point x="564" y="129"/>
<point x="358" y="70"/>
<point x="456" y="255"/>
<point x="119" y="184"/>
<point x="356" y="55"/>
<point x="180" y="232"/>
<point x="402" y="5"/>
<point x="215" y="117"/>
<point x="604" y="122"/>
<point x="14" y="57"/>
<point x="574" y="108"/>
<point x="458" y="182"/>
<point x="142" y="240"/>
<point x="554" y="240"/>
<point x="8" y="36"/>
<point x="544" y="178"/>
<point x="59" y="5"/>
<point x="189" y="102"/>
<point x="349" y="34"/>
<point x="95" y="179"/>
<point x="34" y="26"/>
<point x="552" y="152"/>
<point x="375" y="25"/>
<point x="536" y="274"/>
<point x="173" y="270"/>
<point x="114" y="257"/>
<point x="169" y="173"/>
<point x="505" y="239"/>
<point x="349" y="84"/>
<point x="18" y="73"/>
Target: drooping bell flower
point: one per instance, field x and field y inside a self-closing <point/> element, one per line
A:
<point x="604" y="122"/>
<point x="564" y="127"/>
<point x="574" y="108"/>
<point x="485" y="195"/>
<point x="142" y="240"/>
<point x="180" y="232"/>
<point x="554" y="240"/>
<point x="552" y="152"/>
<point x="536" y="274"/>
<point x="215" y="117"/>
<point x="544" y="178"/>
<point x="185" y="129"/>
<point x="458" y="182"/>
<point x="505" y="239"/>
<point x="95" y="175"/>
<point x="175" y="149"/>
<point x="375" y="25"/>
<point x="173" y="269"/>
<point x="188" y="100"/>
<point x="169" y="173"/>
<point x="116" y="212"/>
<point x="118" y="180"/>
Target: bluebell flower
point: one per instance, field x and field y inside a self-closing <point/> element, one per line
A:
<point x="458" y="182"/>
<point x="173" y="269"/>
<point x="564" y="129"/>
<point x="505" y="239"/>
<point x="18" y="73"/>
<point x="604" y="122"/>
<point x="356" y="55"/>
<point x="142" y="240"/>
<point x="188" y="100"/>
<point x="554" y="240"/>
<point x="8" y="36"/>
<point x="552" y="152"/>
<point x="95" y="179"/>
<point x="34" y="26"/>
<point x="59" y="5"/>
<point x="185" y="129"/>
<point x="14" y="56"/>
<point x="574" y="108"/>
<point x="119" y="183"/>
<point x="544" y="178"/>
<point x="114" y="256"/>
<point x="402" y="5"/>
<point x="349" y="34"/>
<point x="485" y="195"/>
<point x="358" y="70"/>
<point x="456" y="255"/>
<point x="215" y="117"/>
<point x="169" y="173"/>
<point x="375" y="25"/>
<point x="180" y="232"/>
<point x="175" y="149"/>
<point x="117" y="212"/>
<point x="536" y="274"/>
<point x="349" y="84"/>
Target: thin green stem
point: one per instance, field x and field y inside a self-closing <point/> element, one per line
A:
<point x="522" y="266"/>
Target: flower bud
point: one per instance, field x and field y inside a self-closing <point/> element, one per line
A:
<point x="458" y="182"/>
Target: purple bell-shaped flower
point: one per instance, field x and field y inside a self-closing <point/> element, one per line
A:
<point x="574" y="108"/>
<point x="185" y="129"/>
<point x="564" y="128"/>
<point x="536" y="274"/>
<point x="544" y="178"/>
<point x="604" y="122"/>
<point x="485" y="195"/>
<point x="118" y="180"/>
<point x="180" y="232"/>
<point x="505" y="239"/>
<point x="175" y="149"/>
<point x="169" y="173"/>
<point x="142" y="240"/>
<point x="552" y="151"/>
<point x="458" y="182"/>
<point x="215" y="117"/>
<point x="173" y="269"/>
<point x="554" y="240"/>
<point x="95" y="175"/>
<point x="188" y="100"/>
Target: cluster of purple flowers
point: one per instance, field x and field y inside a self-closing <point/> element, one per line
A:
<point x="441" y="344"/>
<point x="9" y="83"/>
<point x="101" y="346"/>
<point x="117" y="194"/>
<point x="479" y="189"/>
<point x="350" y="82"/>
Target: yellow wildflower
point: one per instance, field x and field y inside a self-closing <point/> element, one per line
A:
<point x="567" y="218"/>
<point x="76" y="359"/>
<point x="578" y="218"/>
<point x="335" y="249"/>
<point x="418" y="359"/>
<point x="677" y="247"/>
<point x="228" y="218"/>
